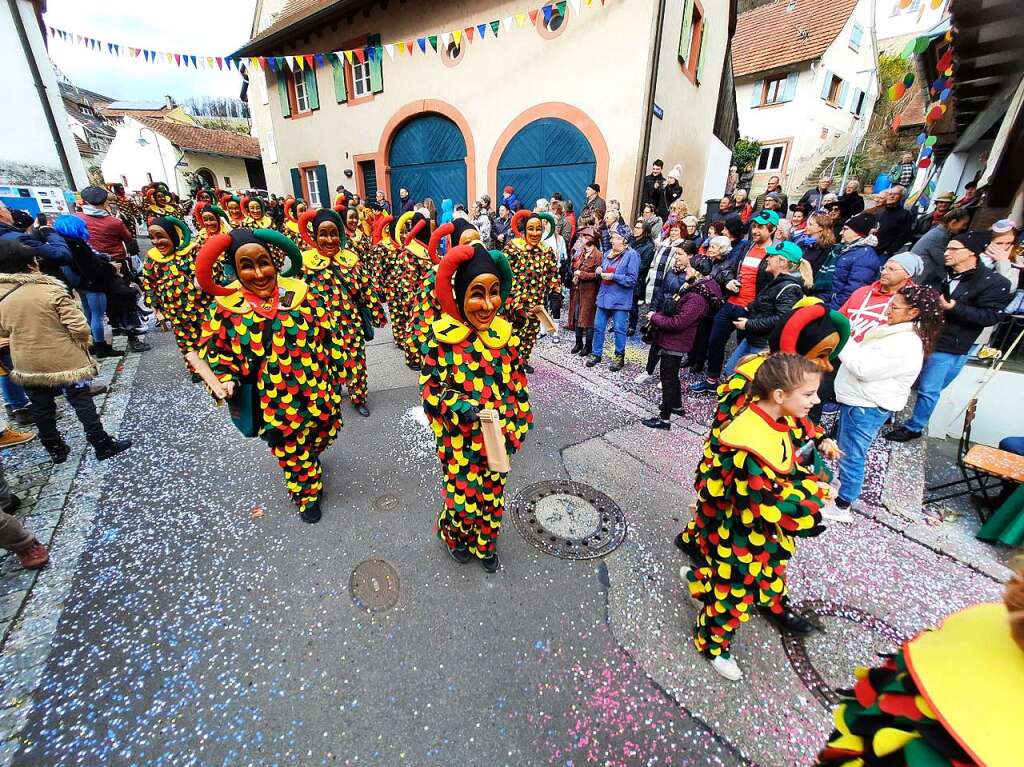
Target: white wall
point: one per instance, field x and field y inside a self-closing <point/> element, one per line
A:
<point x="126" y="157"/>
<point x="27" y="151"/>
<point x="717" y="170"/>
<point x="993" y="420"/>
<point x="802" y="120"/>
<point x="895" y="22"/>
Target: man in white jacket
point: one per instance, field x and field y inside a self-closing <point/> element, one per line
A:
<point x="874" y="382"/>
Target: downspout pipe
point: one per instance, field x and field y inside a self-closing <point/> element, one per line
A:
<point x="37" y="80"/>
<point x="648" y="114"/>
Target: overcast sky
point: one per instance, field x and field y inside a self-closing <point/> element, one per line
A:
<point x="211" y="27"/>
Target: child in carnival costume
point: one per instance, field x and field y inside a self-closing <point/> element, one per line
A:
<point x="210" y="220"/>
<point x="755" y="496"/>
<point x="535" y="268"/>
<point x="336" y="277"/>
<point x="952" y="697"/>
<point x="412" y="266"/>
<point x="158" y="200"/>
<point x="168" y="280"/>
<point x="265" y="341"/>
<point x="255" y="214"/>
<point x="471" y="362"/>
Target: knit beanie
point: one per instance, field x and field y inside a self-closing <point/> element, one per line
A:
<point x="862" y="223"/>
<point x="911" y="263"/>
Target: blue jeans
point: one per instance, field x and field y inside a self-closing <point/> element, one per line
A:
<point x="14" y="396"/>
<point x="938" y="372"/>
<point x="619" y="318"/>
<point x="95" y="307"/>
<point x="858" y="427"/>
<point x="743" y="348"/>
<point x="721" y="329"/>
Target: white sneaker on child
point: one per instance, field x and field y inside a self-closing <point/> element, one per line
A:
<point x="727" y="667"/>
<point x="833" y="513"/>
<point x="644" y="377"/>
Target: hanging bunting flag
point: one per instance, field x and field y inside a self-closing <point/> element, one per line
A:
<point x="548" y="10"/>
<point x="446" y="38"/>
<point x="457" y="36"/>
<point x="507" y="23"/>
<point x="561" y="9"/>
<point x="389" y="49"/>
<point x="575" y="5"/>
<point x="272" y="61"/>
<point x="520" y="19"/>
<point x="408" y="47"/>
<point x="495" y="25"/>
<point x="360" y="56"/>
<point x="319" y="58"/>
<point x="533" y="16"/>
<point x="481" y="29"/>
<point x="193" y="58"/>
<point x="348" y="55"/>
<point x="422" y="43"/>
<point x="468" y="31"/>
<point x="433" y="42"/>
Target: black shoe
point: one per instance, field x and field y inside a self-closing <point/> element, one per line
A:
<point x="414" y="366"/>
<point x="119" y="332"/>
<point x="362" y="409"/>
<point x="593" y="360"/>
<point x="788" y="621"/>
<point x="491" y="563"/>
<point x="58" y="453"/>
<point x="14" y="505"/>
<point x="588" y="350"/>
<point x="108" y="447"/>
<point x="577" y="348"/>
<point x="135" y="345"/>
<point x="678" y="411"/>
<point x="22" y="416"/>
<point x="528" y="369"/>
<point x="103" y="350"/>
<point x="656" y="423"/>
<point x="902" y="434"/>
<point x="460" y="553"/>
<point x="97" y="389"/>
<point x="618" y="363"/>
<point x="690" y="549"/>
<point x="312" y="515"/>
<point x="630" y="332"/>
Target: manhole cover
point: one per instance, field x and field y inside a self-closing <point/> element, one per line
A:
<point x="387" y="502"/>
<point x="796" y="645"/>
<point x="374" y="585"/>
<point x="568" y="519"/>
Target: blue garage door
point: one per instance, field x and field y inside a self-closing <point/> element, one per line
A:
<point x="548" y="155"/>
<point x="428" y="157"/>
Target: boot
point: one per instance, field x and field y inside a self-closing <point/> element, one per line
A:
<point x="311" y="515"/>
<point x="58" y="449"/>
<point x="618" y="362"/>
<point x="578" y="346"/>
<point x="107" y="447"/>
<point x="102" y="350"/>
<point x="136" y="344"/>
<point x="588" y="347"/>
<point x="23" y="416"/>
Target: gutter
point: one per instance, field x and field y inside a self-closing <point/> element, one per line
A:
<point x="37" y="81"/>
<point x="648" y="114"/>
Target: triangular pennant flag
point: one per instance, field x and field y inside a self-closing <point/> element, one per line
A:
<point x="110" y="47"/>
<point x="78" y="39"/>
<point x="177" y="59"/>
<point x="507" y="23"/>
<point x="446" y="38"/>
<point x="408" y="46"/>
<point x="457" y="36"/>
<point x="547" y="14"/>
<point x="521" y="18"/>
<point x="561" y="8"/>
<point x="495" y="25"/>
<point x="262" y="60"/>
<point x="360" y="56"/>
<point x="209" y="62"/>
<point x="481" y="29"/>
<point x="170" y="58"/>
<point x="319" y="58"/>
<point x="389" y="49"/>
<point x="468" y="31"/>
<point x="301" y="62"/>
<point x="193" y="62"/>
<point x="272" y="61"/>
<point x="145" y="55"/>
<point x="372" y="53"/>
<point x="575" y="5"/>
<point x="422" y="43"/>
<point x="589" y="2"/>
<point x="433" y="42"/>
<point x="310" y="60"/>
<point x="348" y="55"/>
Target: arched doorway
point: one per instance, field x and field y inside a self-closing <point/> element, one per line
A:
<point x="207" y="177"/>
<point x="427" y="156"/>
<point x="548" y="155"/>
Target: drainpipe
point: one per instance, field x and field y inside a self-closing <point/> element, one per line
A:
<point x="648" y="113"/>
<point x="37" y="80"/>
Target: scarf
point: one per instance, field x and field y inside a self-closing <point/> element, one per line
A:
<point x="94" y="210"/>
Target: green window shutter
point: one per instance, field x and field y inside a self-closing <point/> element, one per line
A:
<point x="282" y="92"/>
<point x="376" y="74"/>
<point x="311" y="91"/>
<point x="297" y="183"/>
<point x="686" y="32"/>
<point x="702" y="50"/>
<point x="340" y="90"/>
<point x="321" y="181"/>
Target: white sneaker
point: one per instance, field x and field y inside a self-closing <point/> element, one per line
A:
<point x="642" y="378"/>
<point x="833" y="513"/>
<point x="684" y="571"/>
<point x="727" y="667"/>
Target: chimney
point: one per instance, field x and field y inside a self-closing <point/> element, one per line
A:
<point x="169" y="102"/>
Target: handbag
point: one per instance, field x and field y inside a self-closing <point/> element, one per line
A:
<point x="244" y="408"/>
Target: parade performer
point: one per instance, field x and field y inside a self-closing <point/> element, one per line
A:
<point x="952" y="697"/>
<point x="232" y="204"/>
<point x="264" y="343"/>
<point x="158" y="200"/>
<point x="817" y="334"/>
<point x="471" y="364"/>
<point x="168" y="280"/>
<point x="760" y="495"/>
<point x="411" y="266"/>
<point x="210" y="220"/>
<point x="292" y="210"/>
<point x="381" y="248"/>
<point x="357" y="238"/>
<point x="335" y="275"/>
<point x="255" y="214"/>
<point x="536" y="276"/>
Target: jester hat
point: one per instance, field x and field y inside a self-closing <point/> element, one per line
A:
<point x="457" y="270"/>
<point x="383" y="220"/>
<point x="202" y="207"/>
<point x="290" y="204"/>
<point x="157" y="186"/>
<point x="412" y="225"/>
<point x="310" y="221"/>
<point x="522" y="216"/>
<point x="807" y="325"/>
<point x="220" y="244"/>
<point x="340" y="202"/>
<point x="245" y="205"/>
<point x="177" y="230"/>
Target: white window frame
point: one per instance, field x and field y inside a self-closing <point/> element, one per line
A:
<point x="312" y="187"/>
<point x="301" y="97"/>
<point x="770" y="148"/>
<point x="362" y="85"/>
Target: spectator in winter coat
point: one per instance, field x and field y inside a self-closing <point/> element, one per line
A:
<point x="902" y="174"/>
<point x="868" y="306"/>
<point x="49" y="246"/>
<point x="595" y="206"/>
<point x="95" y="276"/>
<point x="817" y="240"/>
<point x="1000" y="248"/>
<point x="644" y="247"/>
<point x="857" y="262"/>
<point x="673" y="190"/>
<point x="654" y="187"/>
<point x="612" y="223"/>
<point x="972" y="298"/>
<point x="932" y="245"/>
<point x="664" y="257"/>
<point x="780" y="198"/>
<point x="895" y="223"/>
<point x="924" y="222"/>
<point x="742" y="206"/>
<point x="815" y="197"/>
<point x="107" y="234"/>
<point x="619" y="269"/>
<point x="502" y="229"/>
<point x="772" y="303"/>
<point x="715" y="263"/>
<point x="850" y="201"/>
<point x="586" y="263"/>
<point x="653" y="221"/>
<point x="405" y="200"/>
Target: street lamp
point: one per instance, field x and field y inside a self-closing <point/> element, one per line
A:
<point x="141" y="141"/>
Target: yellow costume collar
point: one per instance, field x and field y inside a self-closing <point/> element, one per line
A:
<point x="292" y="226"/>
<point x="292" y="292"/>
<point x="449" y="330"/>
<point x="313" y="259"/>
<point x="757" y="433"/>
<point x="155" y="255"/>
<point x="261" y="223"/>
<point x="418" y="249"/>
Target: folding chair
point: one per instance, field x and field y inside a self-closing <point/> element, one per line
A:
<point x="981" y="467"/>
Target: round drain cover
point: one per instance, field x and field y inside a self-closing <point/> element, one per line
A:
<point x="568" y="519"/>
<point x="387" y="502"/>
<point x="884" y="634"/>
<point x="374" y="585"/>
